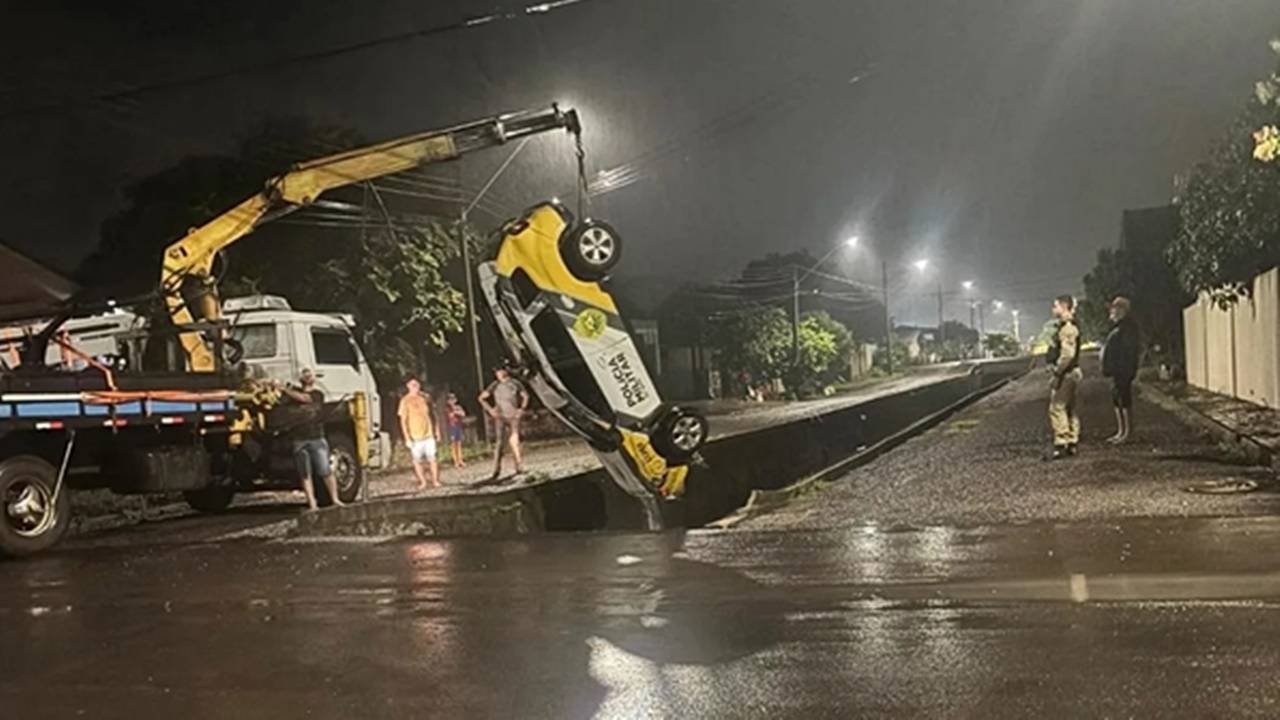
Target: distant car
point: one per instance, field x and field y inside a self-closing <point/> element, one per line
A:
<point x="563" y="332"/>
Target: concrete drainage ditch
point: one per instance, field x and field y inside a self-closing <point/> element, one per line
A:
<point x="768" y="463"/>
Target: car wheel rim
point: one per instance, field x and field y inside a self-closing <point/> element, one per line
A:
<point x="596" y="246"/>
<point x="687" y="433"/>
<point x="29" y="509"/>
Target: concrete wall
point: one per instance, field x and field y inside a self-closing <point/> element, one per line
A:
<point x="1236" y="351"/>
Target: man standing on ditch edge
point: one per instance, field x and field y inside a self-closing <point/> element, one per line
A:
<point x="310" y="448"/>
<point x="1064" y="365"/>
<point x="509" y="400"/>
<point x="420" y="432"/>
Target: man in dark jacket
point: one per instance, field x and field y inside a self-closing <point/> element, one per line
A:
<point x="1120" y="355"/>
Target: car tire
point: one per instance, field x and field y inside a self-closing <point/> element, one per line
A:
<point x="211" y="500"/>
<point x="30" y="520"/>
<point x="591" y="250"/>
<point x="345" y="466"/>
<point x="680" y="434"/>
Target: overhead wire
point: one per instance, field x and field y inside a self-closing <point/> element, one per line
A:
<point x="132" y="93"/>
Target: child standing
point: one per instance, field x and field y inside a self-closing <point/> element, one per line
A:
<point x="454" y="415"/>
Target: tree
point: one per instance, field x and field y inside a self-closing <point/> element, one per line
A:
<point x="756" y="341"/>
<point x="1230" y="208"/>
<point x="1002" y="345"/>
<point x="960" y="342"/>
<point x="390" y="269"/>
<point x="759" y="342"/>
<point x="825" y="345"/>
<point x="901" y="356"/>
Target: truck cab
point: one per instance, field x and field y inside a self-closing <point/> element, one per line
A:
<point x="280" y="341"/>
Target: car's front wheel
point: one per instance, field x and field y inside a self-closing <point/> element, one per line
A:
<point x="680" y="434"/>
<point x="591" y="250"/>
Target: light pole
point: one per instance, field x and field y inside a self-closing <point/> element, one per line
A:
<point x="888" y="320"/>
<point x="466" y="265"/>
<point x="968" y="293"/>
<point x="796" y="278"/>
<point x="1017" y="330"/>
<point x="921" y="266"/>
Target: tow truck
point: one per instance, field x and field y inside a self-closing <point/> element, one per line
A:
<point x="197" y="424"/>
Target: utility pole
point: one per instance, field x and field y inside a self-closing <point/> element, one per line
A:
<point x="982" y="321"/>
<point x="973" y="309"/>
<point x="795" y="316"/>
<point x="472" y="326"/>
<point x="1017" y="330"/>
<point x="942" y="335"/>
<point x="888" y="321"/>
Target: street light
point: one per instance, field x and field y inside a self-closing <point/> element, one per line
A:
<point x="921" y="265"/>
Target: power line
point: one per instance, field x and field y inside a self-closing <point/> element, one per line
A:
<point x="133" y="93"/>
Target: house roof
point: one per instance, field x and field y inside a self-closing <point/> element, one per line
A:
<point x="29" y="289"/>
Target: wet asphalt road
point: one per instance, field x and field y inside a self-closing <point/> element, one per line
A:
<point x="1145" y="618"/>
<point x="952" y="577"/>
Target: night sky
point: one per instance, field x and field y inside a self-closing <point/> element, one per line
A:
<point x="999" y="138"/>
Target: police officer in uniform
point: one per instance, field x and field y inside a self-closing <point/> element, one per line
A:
<point x="1064" y="363"/>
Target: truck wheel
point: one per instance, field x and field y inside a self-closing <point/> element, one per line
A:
<point x="210" y="500"/>
<point x="346" y="469"/>
<point x="679" y="434"/>
<point x="591" y="250"/>
<point x="30" y="520"/>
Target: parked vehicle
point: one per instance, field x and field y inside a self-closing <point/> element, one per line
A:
<point x="182" y="407"/>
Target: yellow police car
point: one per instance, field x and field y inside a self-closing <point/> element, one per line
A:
<point x="564" y="334"/>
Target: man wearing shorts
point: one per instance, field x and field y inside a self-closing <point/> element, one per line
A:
<point x="1120" y="356"/>
<point x="419" y="430"/>
<point x="310" y="448"/>
<point x="509" y="399"/>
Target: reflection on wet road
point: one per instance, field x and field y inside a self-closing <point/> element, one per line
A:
<point x="1145" y="618"/>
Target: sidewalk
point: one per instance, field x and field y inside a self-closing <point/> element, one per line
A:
<point x="984" y="466"/>
<point x="1255" y="428"/>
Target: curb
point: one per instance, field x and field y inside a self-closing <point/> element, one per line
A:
<point x="1258" y="452"/>
<point x="762" y="502"/>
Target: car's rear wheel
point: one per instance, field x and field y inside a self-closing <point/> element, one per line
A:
<point x="591" y="250"/>
<point x="680" y="434"/>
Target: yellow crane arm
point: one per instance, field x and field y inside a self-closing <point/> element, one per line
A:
<point x="186" y="273"/>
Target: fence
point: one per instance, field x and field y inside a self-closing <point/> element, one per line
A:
<point x="1236" y="351"/>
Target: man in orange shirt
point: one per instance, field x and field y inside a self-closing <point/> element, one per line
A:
<point x="420" y="432"/>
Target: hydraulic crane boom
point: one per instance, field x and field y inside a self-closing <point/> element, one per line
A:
<point x="186" y="279"/>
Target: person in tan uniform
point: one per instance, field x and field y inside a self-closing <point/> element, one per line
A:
<point x="1064" y="365"/>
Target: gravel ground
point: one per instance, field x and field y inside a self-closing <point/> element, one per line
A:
<point x="984" y="466"/>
